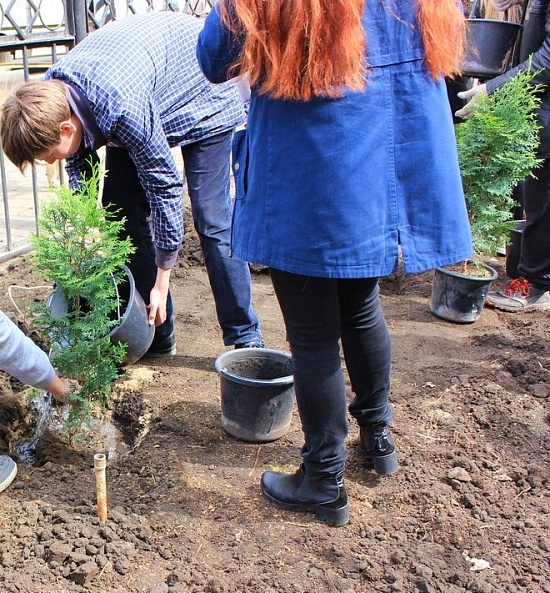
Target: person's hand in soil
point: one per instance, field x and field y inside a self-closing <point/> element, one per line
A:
<point x="61" y="388"/>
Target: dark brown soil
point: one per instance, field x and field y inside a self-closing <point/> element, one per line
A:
<point x="469" y="509"/>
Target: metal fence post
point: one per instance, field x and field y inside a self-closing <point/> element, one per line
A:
<point x="77" y="19"/>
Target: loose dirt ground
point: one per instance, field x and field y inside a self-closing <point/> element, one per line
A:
<point x="469" y="509"/>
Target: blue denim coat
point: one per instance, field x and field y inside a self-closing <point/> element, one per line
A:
<point x="334" y="188"/>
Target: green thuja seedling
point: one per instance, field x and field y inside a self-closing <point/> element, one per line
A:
<point x="497" y="149"/>
<point x="79" y="250"/>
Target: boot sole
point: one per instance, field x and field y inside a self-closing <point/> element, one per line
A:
<point x="333" y="517"/>
<point x="160" y="353"/>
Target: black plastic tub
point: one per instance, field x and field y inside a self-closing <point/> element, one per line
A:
<point x="489" y="48"/>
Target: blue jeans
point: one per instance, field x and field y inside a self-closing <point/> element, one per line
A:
<point x="207" y="169"/>
<point x="318" y="314"/>
<point x="207" y="172"/>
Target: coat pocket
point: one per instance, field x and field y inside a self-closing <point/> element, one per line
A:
<point x="239" y="162"/>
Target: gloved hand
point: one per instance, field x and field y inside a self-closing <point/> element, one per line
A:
<point x="502" y="5"/>
<point x="470" y="96"/>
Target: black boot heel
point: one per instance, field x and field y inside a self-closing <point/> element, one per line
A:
<point x="334" y="514"/>
<point x="386" y="465"/>
<point x="376" y="444"/>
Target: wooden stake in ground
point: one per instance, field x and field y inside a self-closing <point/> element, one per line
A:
<point x="100" y="463"/>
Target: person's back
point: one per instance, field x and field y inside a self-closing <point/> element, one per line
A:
<point x="341" y="165"/>
<point x="330" y="154"/>
<point x="134" y="86"/>
<point x="148" y="61"/>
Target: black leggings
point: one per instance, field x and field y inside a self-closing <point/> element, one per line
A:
<point x="318" y="313"/>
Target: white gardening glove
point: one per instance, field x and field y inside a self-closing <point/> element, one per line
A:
<point x="502" y="5"/>
<point x="470" y="96"/>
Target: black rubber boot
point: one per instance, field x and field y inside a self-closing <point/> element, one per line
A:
<point x="324" y="496"/>
<point x="376" y="444"/>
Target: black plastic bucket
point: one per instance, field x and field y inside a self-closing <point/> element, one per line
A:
<point x="257" y="393"/>
<point x="513" y="250"/>
<point x="133" y="327"/>
<point x="457" y="297"/>
<point x="489" y="47"/>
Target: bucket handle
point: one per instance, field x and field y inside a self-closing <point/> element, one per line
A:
<point x="118" y="298"/>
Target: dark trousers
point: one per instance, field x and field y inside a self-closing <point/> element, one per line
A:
<point x="318" y="314"/>
<point x="534" y="262"/>
<point x="123" y="191"/>
<point x="207" y="172"/>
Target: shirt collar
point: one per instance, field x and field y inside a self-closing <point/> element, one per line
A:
<point x="93" y="137"/>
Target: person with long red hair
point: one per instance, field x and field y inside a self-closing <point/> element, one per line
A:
<point x="347" y="167"/>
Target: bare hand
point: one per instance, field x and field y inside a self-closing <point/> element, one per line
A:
<point x="157" y="307"/>
<point x="61" y="387"/>
<point x="158" y="298"/>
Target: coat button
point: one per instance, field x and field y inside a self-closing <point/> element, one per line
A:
<point x="236" y="166"/>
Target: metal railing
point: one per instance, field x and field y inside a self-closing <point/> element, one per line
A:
<point x="33" y="35"/>
<point x="101" y="12"/>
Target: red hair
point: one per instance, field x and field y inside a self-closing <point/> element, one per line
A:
<point x="300" y="49"/>
<point x="443" y="29"/>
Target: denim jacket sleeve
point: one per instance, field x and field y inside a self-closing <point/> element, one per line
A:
<point x="217" y="48"/>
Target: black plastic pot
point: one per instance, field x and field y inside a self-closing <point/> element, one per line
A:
<point x="513" y="250"/>
<point x="489" y="47"/>
<point x="133" y="327"/>
<point x="457" y="297"/>
<point x="257" y="393"/>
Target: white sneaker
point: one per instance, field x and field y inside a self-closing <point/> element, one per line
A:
<point x="8" y="471"/>
<point x="520" y="295"/>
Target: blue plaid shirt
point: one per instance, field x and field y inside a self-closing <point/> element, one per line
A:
<point x="145" y="91"/>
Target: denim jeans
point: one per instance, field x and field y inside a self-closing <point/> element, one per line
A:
<point x="318" y="313"/>
<point x="207" y="170"/>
